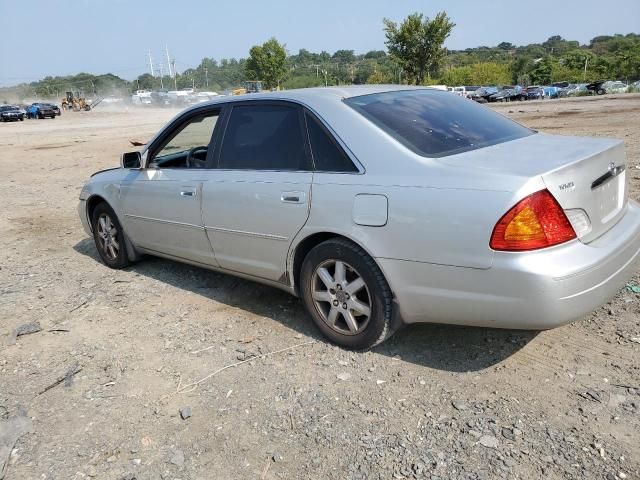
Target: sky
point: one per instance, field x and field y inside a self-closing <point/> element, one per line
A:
<point x="62" y="37"/>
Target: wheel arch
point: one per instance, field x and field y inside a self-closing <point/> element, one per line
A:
<point x="306" y="244"/>
<point x="92" y="202"/>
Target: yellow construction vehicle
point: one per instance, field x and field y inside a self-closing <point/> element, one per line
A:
<point x="250" y="86"/>
<point x="76" y="102"/>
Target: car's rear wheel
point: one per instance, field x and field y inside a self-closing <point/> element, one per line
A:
<point x="346" y="294"/>
<point x="109" y="237"/>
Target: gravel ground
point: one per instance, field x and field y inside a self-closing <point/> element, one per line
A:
<point x="102" y="388"/>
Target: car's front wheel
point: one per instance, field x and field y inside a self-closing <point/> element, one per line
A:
<point x="109" y="237"/>
<point x="346" y="294"/>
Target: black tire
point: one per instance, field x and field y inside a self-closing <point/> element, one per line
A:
<point x="120" y="259"/>
<point x="379" y="325"/>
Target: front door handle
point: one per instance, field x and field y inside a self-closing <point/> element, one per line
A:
<point x="292" y="197"/>
<point x="188" y="193"/>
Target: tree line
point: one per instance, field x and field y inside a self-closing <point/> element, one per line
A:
<point x="415" y="54"/>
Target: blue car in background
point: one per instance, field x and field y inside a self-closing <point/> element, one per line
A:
<point x="551" y="92"/>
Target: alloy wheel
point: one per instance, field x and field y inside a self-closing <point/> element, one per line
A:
<point x="108" y="236"/>
<point x="341" y="297"/>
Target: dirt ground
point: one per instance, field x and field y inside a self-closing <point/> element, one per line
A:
<point x="434" y="402"/>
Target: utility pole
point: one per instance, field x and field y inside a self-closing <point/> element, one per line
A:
<point x="175" y="74"/>
<point x="324" y="72"/>
<point x="206" y="76"/>
<point x="586" y="61"/>
<point x="151" y="64"/>
<point x="168" y="59"/>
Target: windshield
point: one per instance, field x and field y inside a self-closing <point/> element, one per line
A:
<point x="433" y="123"/>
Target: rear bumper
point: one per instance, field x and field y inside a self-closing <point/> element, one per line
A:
<point x="533" y="290"/>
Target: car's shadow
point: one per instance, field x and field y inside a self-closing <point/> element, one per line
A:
<point x="443" y="347"/>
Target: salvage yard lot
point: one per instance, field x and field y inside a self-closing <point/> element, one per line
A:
<point x="432" y="402"/>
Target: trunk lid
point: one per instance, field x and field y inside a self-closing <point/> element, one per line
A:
<point x="584" y="174"/>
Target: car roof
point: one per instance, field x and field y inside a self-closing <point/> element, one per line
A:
<point x="320" y="94"/>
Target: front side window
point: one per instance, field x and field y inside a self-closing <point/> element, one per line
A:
<point x="188" y="146"/>
<point x="327" y="155"/>
<point x="263" y="137"/>
<point x="433" y="123"/>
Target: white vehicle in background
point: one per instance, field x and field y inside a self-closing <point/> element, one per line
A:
<point x="202" y="97"/>
<point x="615" y="87"/>
<point x="112" y="99"/>
<point x="182" y="96"/>
<point x="141" y="97"/>
<point x="464" y="91"/>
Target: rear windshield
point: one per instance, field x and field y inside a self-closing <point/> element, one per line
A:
<point x="434" y="123"/>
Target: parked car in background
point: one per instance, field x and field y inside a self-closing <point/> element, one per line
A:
<point x="573" y="89"/>
<point x="482" y="94"/>
<point x="506" y="94"/>
<point x="53" y="107"/>
<point x="41" y="110"/>
<point x="469" y="89"/>
<point x="10" y="113"/>
<point x="551" y="92"/>
<point x="453" y="230"/>
<point x="534" y="92"/>
<point x="464" y="91"/>
<point x="615" y="87"/>
<point x="597" y="87"/>
<point x="49" y="106"/>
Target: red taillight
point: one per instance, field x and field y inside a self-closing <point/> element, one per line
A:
<point x="536" y="221"/>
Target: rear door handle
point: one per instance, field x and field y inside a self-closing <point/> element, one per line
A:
<point x="292" y="197"/>
<point x="187" y="193"/>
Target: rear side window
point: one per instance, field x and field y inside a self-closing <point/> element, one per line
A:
<point x="434" y="123"/>
<point x="263" y="137"/>
<point x="327" y="155"/>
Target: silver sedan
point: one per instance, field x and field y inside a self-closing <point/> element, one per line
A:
<point x="378" y="206"/>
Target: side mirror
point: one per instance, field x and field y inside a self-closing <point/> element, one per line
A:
<point x="131" y="160"/>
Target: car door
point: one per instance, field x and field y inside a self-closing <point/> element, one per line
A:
<point x="162" y="203"/>
<point x="258" y="197"/>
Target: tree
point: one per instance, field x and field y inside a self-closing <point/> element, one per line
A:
<point x="374" y="54"/>
<point x="541" y="73"/>
<point x="145" y="82"/>
<point x="267" y="62"/>
<point x="485" y="73"/>
<point x="344" y="56"/>
<point x="417" y="44"/>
